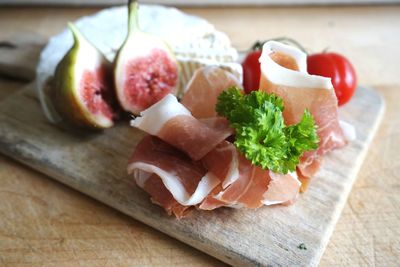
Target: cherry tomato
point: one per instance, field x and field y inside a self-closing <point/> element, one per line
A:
<point x="251" y="71"/>
<point x="339" y="69"/>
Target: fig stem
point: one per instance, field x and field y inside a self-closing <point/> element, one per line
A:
<point x="75" y="32"/>
<point x="133" y="16"/>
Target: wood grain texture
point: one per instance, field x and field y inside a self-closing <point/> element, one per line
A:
<point x="8" y="87"/>
<point x="95" y="164"/>
<point x="44" y="223"/>
<point x="19" y="55"/>
<point x="368" y="231"/>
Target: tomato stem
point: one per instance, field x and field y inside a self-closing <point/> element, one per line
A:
<point x="326" y="49"/>
<point x="258" y="45"/>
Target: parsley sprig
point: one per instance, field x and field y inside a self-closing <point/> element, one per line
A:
<point x="261" y="133"/>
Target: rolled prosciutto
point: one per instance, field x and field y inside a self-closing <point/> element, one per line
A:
<point x="243" y="184"/>
<point x="171" y="178"/>
<point x="172" y="122"/>
<point x="284" y="72"/>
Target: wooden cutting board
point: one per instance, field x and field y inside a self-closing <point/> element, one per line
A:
<point x="95" y="164"/>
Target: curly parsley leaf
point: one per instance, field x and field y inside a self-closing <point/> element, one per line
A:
<point x="261" y="133"/>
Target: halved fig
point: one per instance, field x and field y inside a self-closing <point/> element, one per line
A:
<point x="145" y="68"/>
<point x="82" y="92"/>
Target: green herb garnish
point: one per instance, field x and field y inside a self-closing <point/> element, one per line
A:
<point x="261" y="133"/>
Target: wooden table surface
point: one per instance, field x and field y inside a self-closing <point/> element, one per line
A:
<point x="43" y="222"/>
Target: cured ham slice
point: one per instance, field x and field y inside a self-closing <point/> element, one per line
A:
<point x="282" y="189"/>
<point x="161" y="196"/>
<point x="223" y="162"/>
<point x="222" y="178"/>
<point x="243" y="184"/>
<point x="247" y="190"/>
<point x="284" y="72"/>
<point x="172" y="122"/>
<point x="184" y="182"/>
<point x="204" y="88"/>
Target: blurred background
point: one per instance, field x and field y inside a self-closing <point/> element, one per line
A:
<point x="198" y="2"/>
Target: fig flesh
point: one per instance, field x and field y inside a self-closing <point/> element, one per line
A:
<point x="145" y="68"/>
<point x="82" y="91"/>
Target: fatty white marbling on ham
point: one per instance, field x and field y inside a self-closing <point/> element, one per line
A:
<point x="284" y="72"/>
<point x="243" y="184"/>
<point x="188" y="182"/>
<point x="172" y="122"/>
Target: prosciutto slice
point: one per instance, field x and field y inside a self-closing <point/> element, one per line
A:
<point x="161" y="196"/>
<point x="186" y="181"/>
<point x="204" y="88"/>
<point x="172" y="122"/>
<point x="243" y="184"/>
<point x="284" y="72"/>
<point x="223" y="162"/>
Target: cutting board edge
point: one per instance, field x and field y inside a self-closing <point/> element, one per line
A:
<point x="324" y="242"/>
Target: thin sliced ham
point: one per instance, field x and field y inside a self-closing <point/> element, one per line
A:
<point x="246" y="191"/>
<point x="243" y="184"/>
<point x="161" y="196"/>
<point x="204" y="88"/>
<point x="223" y="162"/>
<point x="172" y="122"/>
<point x="284" y="72"/>
<point x="282" y="189"/>
<point x="187" y="181"/>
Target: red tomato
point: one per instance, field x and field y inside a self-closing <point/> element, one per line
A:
<point x="251" y="71"/>
<point x="339" y="69"/>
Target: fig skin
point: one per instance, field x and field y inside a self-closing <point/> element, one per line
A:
<point x="64" y="94"/>
<point x="138" y="44"/>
